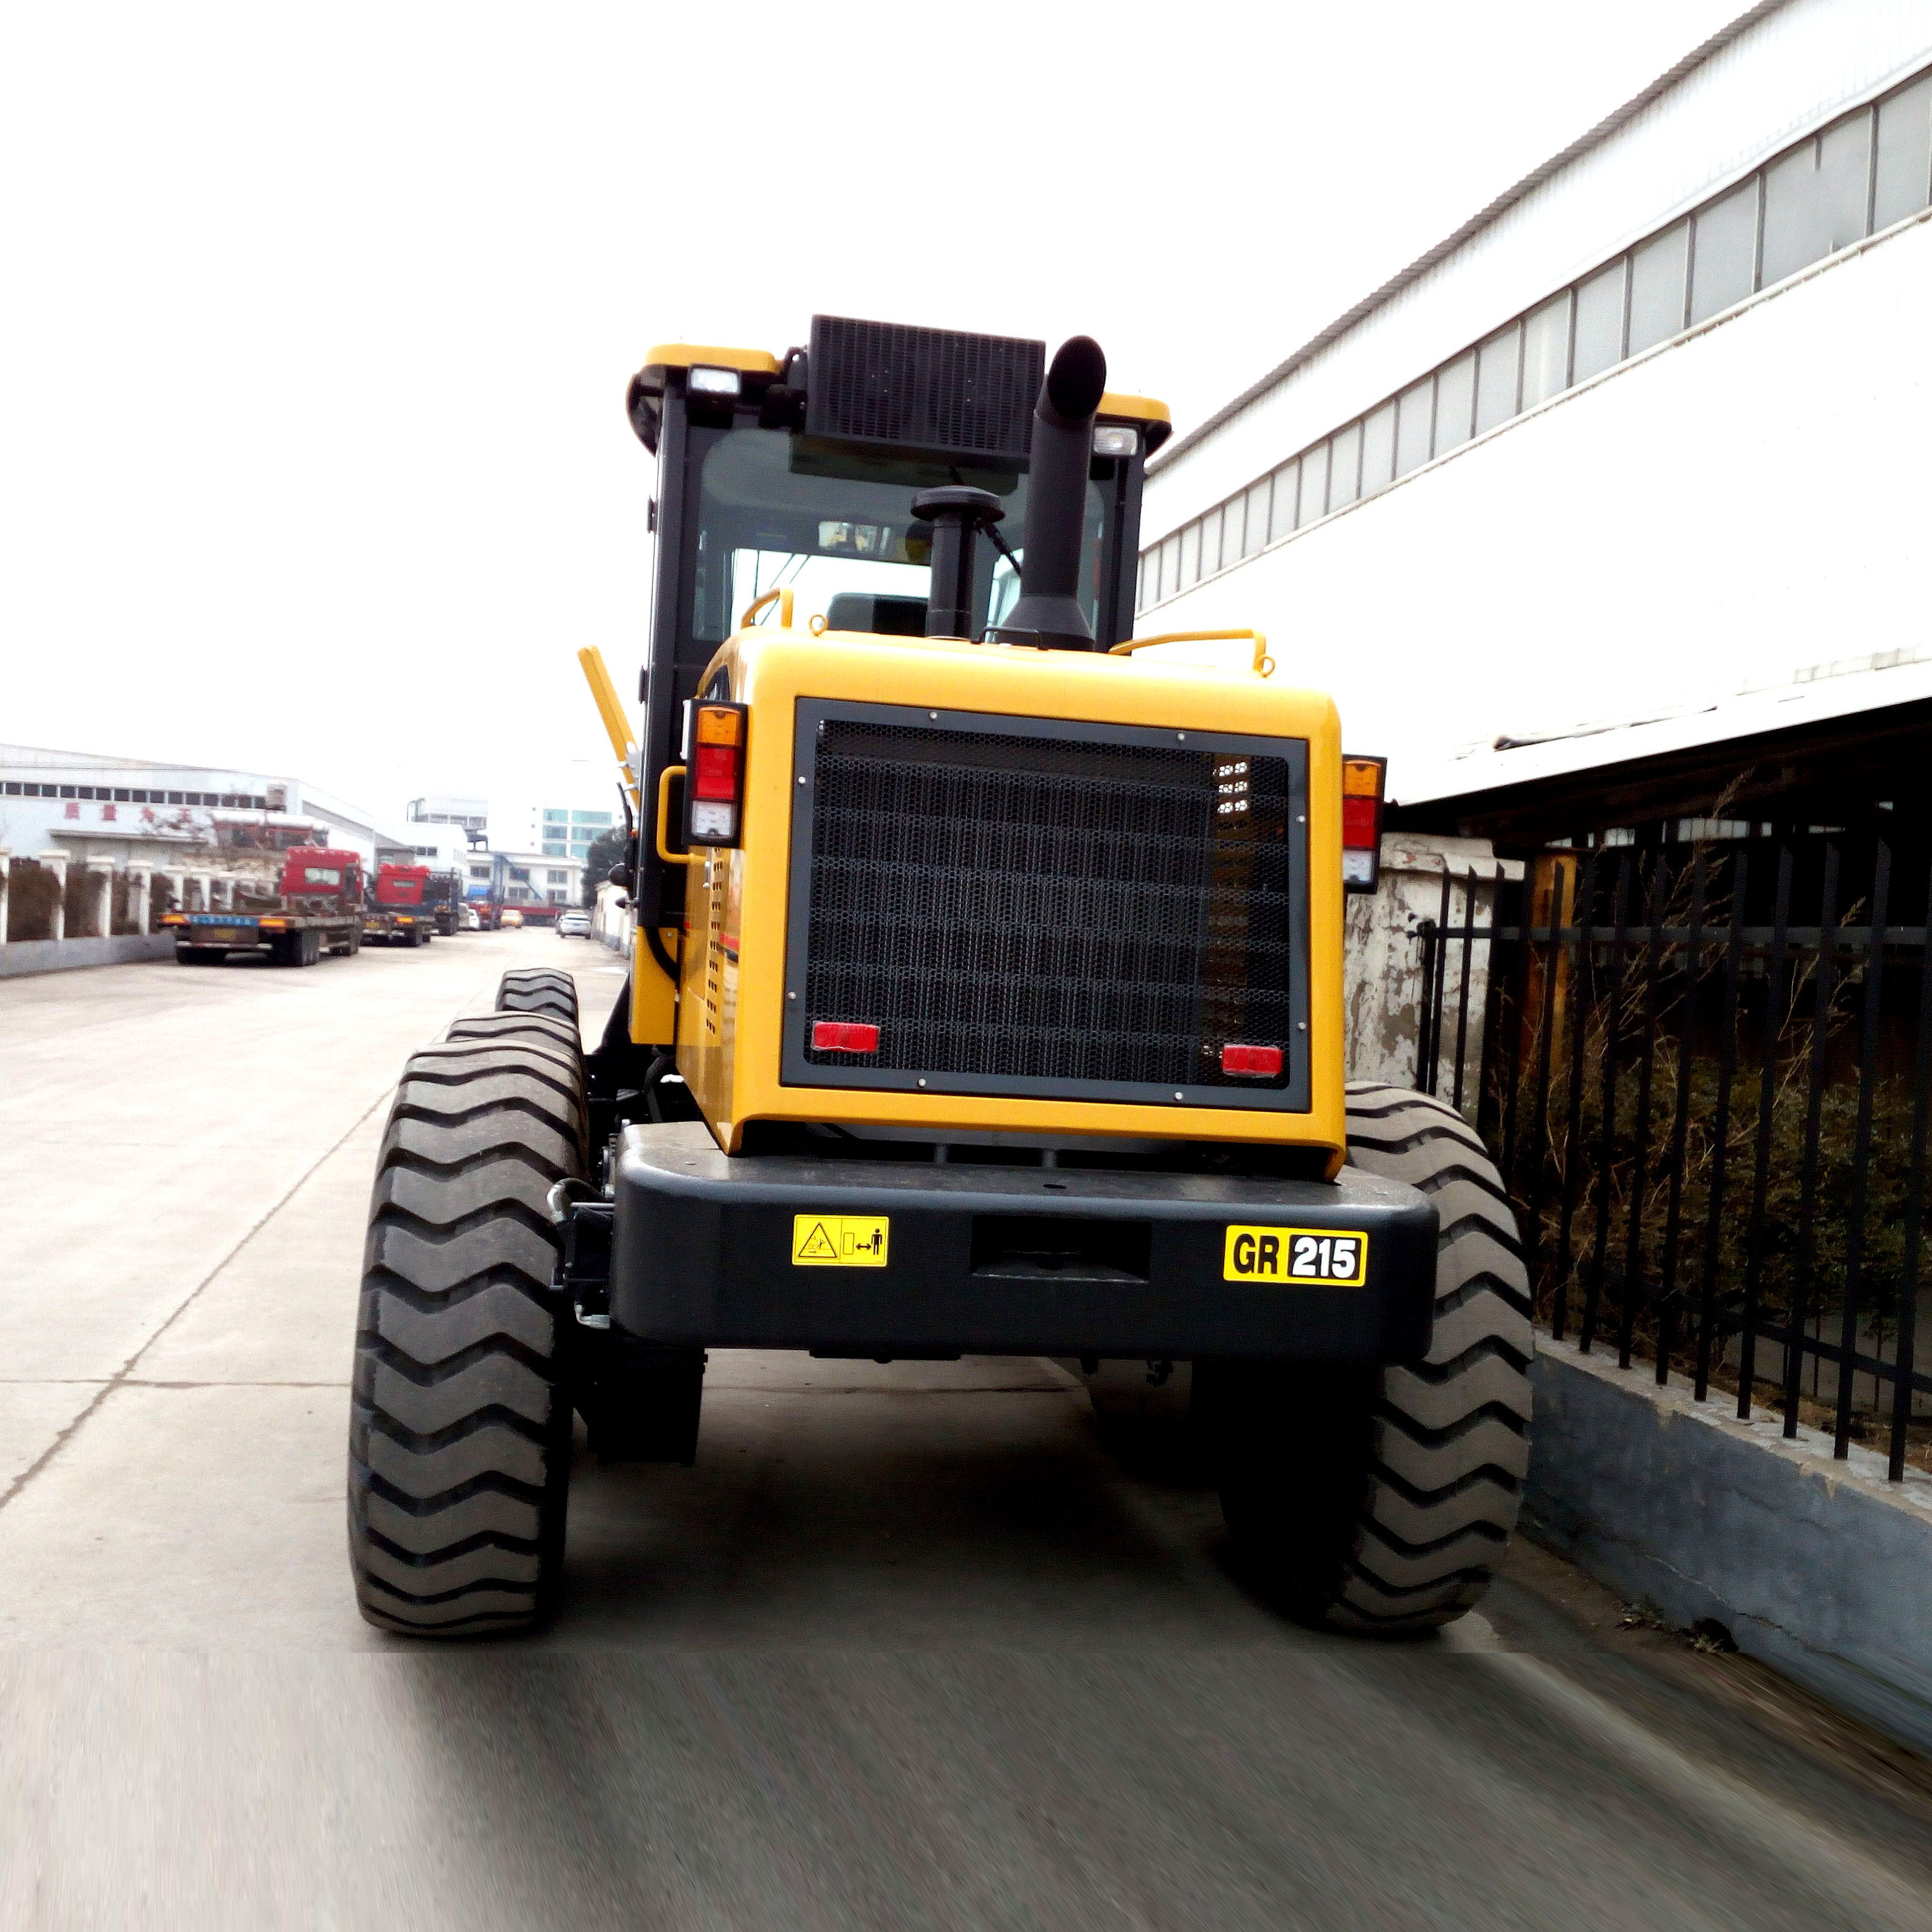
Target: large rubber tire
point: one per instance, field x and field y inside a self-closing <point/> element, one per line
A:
<point x="538" y="989"/>
<point x="1382" y="1500"/>
<point x="460" y="1423"/>
<point x="540" y="1029"/>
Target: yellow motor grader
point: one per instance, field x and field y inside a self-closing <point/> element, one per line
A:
<point x="987" y="998"/>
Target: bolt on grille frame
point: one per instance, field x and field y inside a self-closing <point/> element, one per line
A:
<point x="1047" y="908"/>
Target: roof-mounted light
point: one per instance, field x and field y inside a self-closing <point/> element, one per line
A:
<point x="1114" y="439"/>
<point x="720" y="383"/>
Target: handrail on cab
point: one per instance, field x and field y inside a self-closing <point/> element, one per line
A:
<point x="1264" y="664"/>
<point x="664" y="852"/>
<point x="783" y="594"/>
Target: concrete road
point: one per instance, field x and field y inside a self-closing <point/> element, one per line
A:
<point x="908" y="1648"/>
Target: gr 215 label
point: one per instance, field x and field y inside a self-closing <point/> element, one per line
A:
<point x="1340" y="1259"/>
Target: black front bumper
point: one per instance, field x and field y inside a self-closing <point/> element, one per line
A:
<point x="734" y="1252"/>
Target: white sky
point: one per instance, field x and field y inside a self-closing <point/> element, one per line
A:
<point x="316" y="320"/>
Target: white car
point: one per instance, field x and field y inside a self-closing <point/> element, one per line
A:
<point x="468" y="919"/>
<point x="573" y="926"/>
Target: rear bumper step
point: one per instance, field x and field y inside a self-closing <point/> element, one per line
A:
<point x="738" y="1252"/>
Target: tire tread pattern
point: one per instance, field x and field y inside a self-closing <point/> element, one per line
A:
<point x="459" y="1438"/>
<point x="1449" y="1445"/>
<point x="539" y="989"/>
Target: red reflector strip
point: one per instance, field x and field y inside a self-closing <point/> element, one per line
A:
<point x="846" y="1036"/>
<point x="714" y="772"/>
<point x="1264" y="1060"/>
<point x="1358" y="823"/>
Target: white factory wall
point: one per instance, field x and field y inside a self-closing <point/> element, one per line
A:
<point x="1743" y="502"/>
<point x="1805" y="62"/>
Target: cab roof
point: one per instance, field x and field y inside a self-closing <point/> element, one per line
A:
<point x="1115" y="405"/>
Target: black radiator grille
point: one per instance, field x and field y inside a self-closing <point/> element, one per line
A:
<point x="1049" y="909"/>
<point x="938" y="390"/>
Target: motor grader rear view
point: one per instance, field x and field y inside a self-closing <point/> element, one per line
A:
<point x="987" y="998"/>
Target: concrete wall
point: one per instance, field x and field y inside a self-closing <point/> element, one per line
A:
<point x="612" y="920"/>
<point x="1821" y="1568"/>
<point x="1383" y="988"/>
<point x="23" y="956"/>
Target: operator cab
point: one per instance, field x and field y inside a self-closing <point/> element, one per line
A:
<point x="800" y="474"/>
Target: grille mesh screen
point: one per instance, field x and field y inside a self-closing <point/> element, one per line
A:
<point x="934" y="389"/>
<point x="1049" y="908"/>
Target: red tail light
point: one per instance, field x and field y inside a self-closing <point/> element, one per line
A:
<point x="1261" y="1062"/>
<point x="714" y="772"/>
<point x="715" y="766"/>
<point x="1362" y="783"/>
<point x="844" y="1036"/>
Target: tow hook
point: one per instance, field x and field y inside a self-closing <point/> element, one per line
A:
<point x="584" y="1220"/>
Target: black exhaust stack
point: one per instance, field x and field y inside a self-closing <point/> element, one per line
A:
<point x="1048" y="613"/>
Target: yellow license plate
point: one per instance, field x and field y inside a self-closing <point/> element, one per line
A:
<point x="839" y="1240"/>
<point x="1337" y="1259"/>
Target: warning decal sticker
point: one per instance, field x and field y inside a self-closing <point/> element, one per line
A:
<point x="839" y="1240"/>
<point x="1295" y="1254"/>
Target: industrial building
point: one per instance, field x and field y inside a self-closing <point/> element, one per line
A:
<point x="1609" y="507"/>
<point x="136" y="826"/>
<point x="526" y="880"/>
<point x="569" y="832"/>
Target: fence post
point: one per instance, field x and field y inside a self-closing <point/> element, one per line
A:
<point x="1593" y="1287"/>
<point x="101" y="898"/>
<point x="1583" y="968"/>
<point x="1680" y="1123"/>
<point x="1824" y="986"/>
<point x="55" y="863"/>
<point x="1855" y="1229"/>
<point x="1905" y="1357"/>
<point x="1773" y="1027"/>
<point x="1727" y="1067"/>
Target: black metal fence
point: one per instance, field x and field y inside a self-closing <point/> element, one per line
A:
<point x="1704" y="1073"/>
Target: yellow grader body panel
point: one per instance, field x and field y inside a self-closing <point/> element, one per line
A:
<point x="733" y="992"/>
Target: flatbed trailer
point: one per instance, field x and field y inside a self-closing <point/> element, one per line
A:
<point x="318" y="910"/>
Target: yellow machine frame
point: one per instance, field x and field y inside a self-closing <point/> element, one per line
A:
<point x="730" y="1004"/>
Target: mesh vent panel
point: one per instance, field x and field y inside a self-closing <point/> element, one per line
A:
<point x="1052" y="909"/>
<point x="933" y="389"/>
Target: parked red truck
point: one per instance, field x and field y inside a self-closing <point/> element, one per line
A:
<point x="401" y="911"/>
<point x="317" y="907"/>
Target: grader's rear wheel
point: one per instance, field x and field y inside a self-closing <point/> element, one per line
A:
<point x="538" y="989"/>
<point x="538" y="1027"/>
<point x="1381" y="1500"/>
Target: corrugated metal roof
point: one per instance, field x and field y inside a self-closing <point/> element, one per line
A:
<point x="1822" y="691"/>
